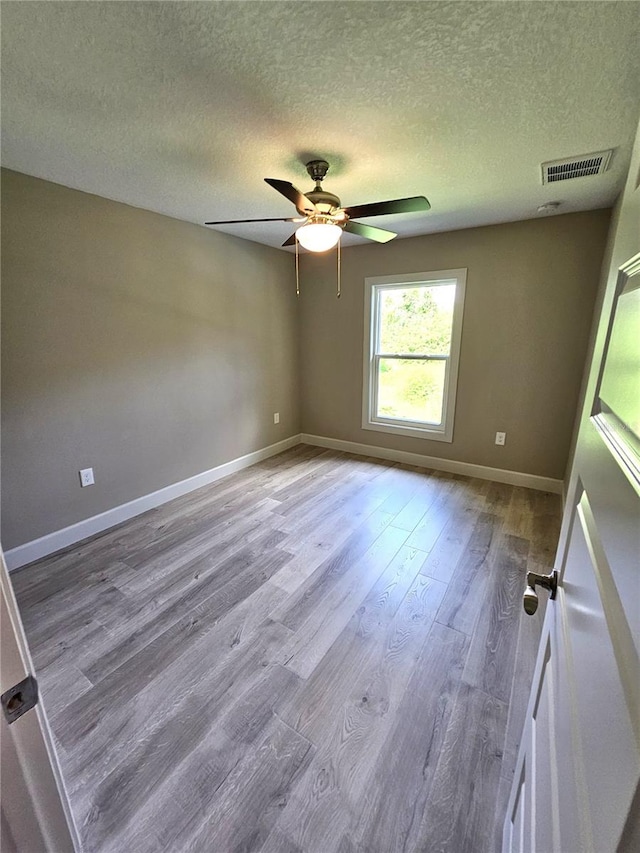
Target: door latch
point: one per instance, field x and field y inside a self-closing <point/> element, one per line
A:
<point x="20" y="698"/>
<point x="530" y="598"/>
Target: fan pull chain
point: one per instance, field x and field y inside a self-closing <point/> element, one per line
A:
<point x="339" y="287"/>
<point x="297" y="269"/>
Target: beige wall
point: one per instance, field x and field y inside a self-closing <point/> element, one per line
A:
<point x="530" y="295"/>
<point x="148" y="348"/>
<point x="151" y="349"/>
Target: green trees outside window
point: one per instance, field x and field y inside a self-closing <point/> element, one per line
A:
<point x="413" y="321"/>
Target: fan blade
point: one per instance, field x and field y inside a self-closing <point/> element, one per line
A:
<point x="368" y="231"/>
<point x="384" y="208"/>
<point x="236" y="221"/>
<point x="289" y="191"/>
<point x="291" y="241"/>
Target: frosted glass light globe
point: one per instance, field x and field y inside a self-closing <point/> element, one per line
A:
<point x="319" y="236"/>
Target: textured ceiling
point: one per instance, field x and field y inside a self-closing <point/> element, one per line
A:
<point x="184" y="108"/>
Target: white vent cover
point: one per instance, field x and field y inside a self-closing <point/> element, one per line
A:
<point x="576" y="167"/>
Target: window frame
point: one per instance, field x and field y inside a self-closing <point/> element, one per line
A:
<point x="373" y="286"/>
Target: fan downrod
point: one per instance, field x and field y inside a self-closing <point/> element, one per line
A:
<point x="327" y="203"/>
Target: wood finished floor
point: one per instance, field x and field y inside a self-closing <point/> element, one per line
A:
<point x="320" y="653"/>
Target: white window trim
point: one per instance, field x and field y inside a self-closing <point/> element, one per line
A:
<point x="444" y="431"/>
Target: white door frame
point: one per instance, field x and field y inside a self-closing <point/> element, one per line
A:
<point x="36" y="816"/>
<point x="566" y="799"/>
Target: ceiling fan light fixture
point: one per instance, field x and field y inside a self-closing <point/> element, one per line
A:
<point x="318" y="236"/>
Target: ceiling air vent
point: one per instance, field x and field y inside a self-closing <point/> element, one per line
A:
<point x="576" y="167"/>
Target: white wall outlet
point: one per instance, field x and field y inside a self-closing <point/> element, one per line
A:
<point x="501" y="437"/>
<point x="86" y="477"/>
<point x="276" y="417"/>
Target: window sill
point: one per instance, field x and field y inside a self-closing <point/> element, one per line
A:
<point x="414" y="432"/>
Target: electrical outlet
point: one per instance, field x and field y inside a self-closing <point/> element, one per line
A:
<point x="276" y="417"/>
<point x="86" y="477"/>
<point x="501" y="437"/>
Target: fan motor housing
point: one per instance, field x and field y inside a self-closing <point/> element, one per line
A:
<point x="324" y="201"/>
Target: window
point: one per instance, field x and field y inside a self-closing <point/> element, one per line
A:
<point x="413" y="325"/>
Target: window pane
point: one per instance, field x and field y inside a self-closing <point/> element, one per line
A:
<point x="411" y="390"/>
<point x="416" y="319"/>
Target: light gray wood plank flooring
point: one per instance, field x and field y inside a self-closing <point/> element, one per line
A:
<point x="320" y="654"/>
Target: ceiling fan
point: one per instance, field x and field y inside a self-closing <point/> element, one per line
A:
<point x="324" y="219"/>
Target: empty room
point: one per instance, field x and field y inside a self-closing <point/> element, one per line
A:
<point x="320" y="427"/>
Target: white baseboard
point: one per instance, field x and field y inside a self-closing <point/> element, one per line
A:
<point x="498" y="475"/>
<point x="59" y="539"/>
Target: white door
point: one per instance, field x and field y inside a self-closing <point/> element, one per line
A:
<point x="35" y="815"/>
<point x="576" y="788"/>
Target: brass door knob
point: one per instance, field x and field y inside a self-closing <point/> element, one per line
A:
<point x="530" y="598"/>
